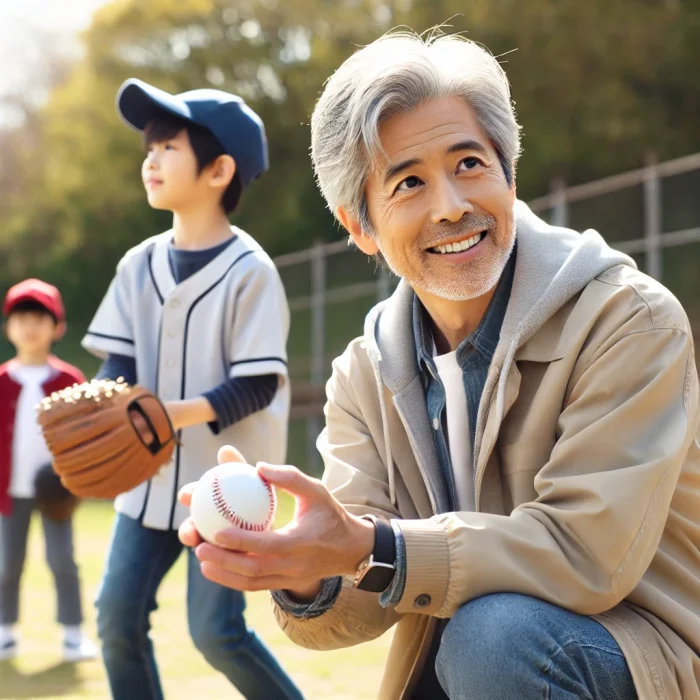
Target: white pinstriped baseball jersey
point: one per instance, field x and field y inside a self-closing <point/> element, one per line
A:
<point x="229" y="319"/>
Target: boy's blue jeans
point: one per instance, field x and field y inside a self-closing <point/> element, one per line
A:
<point x="512" y="647"/>
<point x="138" y="559"/>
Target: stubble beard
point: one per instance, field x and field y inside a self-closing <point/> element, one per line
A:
<point x="464" y="281"/>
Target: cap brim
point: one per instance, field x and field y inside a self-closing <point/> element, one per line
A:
<point x="138" y="102"/>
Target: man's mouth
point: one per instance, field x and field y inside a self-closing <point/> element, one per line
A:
<point x="460" y="245"/>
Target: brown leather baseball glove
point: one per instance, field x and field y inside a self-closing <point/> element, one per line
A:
<point x="106" y="437"/>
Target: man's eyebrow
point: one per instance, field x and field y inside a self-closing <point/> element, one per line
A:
<point x="468" y="145"/>
<point x="394" y="170"/>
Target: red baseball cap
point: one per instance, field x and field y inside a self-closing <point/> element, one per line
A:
<point x="35" y="290"/>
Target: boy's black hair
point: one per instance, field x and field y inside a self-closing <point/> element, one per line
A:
<point x="205" y="145"/>
<point x="31" y="306"/>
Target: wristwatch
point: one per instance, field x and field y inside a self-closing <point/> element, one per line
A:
<point x="377" y="571"/>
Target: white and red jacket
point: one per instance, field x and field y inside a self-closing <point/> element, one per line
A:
<point x="63" y="375"/>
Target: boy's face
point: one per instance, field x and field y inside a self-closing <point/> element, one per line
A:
<point x="170" y="175"/>
<point x="32" y="331"/>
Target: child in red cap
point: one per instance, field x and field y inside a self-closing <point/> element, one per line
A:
<point x="35" y="319"/>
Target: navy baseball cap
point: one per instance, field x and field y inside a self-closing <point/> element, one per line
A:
<point x="235" y="125"/>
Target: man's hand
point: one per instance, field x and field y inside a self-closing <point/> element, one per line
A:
<point x="321" y="541"/>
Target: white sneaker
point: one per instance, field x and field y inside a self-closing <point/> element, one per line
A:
<point x="84" y="650"/>
<point x="8" y="648"/>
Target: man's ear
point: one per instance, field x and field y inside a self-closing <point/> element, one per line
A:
<point x="366" y="243"/>
<point x="222" y="171"/>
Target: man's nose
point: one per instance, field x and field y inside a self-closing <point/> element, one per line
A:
<point x="449" y="203"/>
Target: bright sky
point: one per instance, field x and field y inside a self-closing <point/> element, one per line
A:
<point x="26" y="26"/>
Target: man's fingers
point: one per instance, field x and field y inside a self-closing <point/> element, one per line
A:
<point x="185" y="494"/>
<point x="243" y="583"/>
<point x="228" y="453"/>
<point x="267" y="542"/>
<point x="291" y="480"/>
<point x="250" y="565"/>
<point x="188" y="534"/>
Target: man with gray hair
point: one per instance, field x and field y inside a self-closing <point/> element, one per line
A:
<point x="512" y="469"/>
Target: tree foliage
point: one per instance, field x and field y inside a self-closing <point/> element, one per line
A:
<point x="598" y="85"/>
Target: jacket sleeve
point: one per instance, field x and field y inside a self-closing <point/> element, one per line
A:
<point x="603" y="495"/>
<point x="356" y="475"/>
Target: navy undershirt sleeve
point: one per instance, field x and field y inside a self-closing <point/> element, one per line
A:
<point x="116" y="366"/>
<point x="239" y="397"/>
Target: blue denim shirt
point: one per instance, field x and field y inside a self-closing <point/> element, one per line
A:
<point x="474" y="356"/>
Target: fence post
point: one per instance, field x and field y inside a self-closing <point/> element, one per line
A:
<point x="560" y="211"/>
<point x="318" y="344"/>
<point x="652" y="221"/>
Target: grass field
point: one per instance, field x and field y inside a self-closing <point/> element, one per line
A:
<point x="38" y="673"/>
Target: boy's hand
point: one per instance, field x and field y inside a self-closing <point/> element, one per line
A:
<point x="184" y="414"/>
<point x="323" y="540"/>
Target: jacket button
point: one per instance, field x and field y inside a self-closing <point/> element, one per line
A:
<point x="422" y="601"/>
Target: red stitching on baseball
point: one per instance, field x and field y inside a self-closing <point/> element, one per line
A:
<point x="234" y="518"/>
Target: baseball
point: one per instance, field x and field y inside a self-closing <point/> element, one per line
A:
<point x="232" y="495"/>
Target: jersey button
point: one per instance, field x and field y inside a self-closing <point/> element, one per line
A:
<point x="174" y="303"/>
<point x="170" y="363"/>
<point x="172" y="334"/>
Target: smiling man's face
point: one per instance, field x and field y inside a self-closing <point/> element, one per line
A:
<point x="441" y="206"/>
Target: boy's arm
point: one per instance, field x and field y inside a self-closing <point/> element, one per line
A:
<point x="111" y="331"/>
<point x="239" y="397"/>
<point x="258" y="337"/>
<point x="226" y="404"/>
<point x="116" y="366"/>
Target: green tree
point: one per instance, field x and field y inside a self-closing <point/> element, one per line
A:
<point x="598" y="85"/>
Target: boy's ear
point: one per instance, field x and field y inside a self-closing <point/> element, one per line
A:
<point x="366" y="243"/>
<point x="222" y="171"/>
<point x="59" y="331"/>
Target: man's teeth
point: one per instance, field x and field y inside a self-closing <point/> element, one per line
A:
<point x="460" y="245"/>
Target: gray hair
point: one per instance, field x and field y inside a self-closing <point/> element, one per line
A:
<point x="390" y="76"/>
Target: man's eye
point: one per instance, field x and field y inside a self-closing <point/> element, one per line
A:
<point x="469" y="163"/>
<point x="409" y="183"/>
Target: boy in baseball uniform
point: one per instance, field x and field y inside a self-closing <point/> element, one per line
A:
<point x="199" y="316"/>
<point x="35" y="319"/>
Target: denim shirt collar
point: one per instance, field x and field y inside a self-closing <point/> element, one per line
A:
<point x="484" y="339"/>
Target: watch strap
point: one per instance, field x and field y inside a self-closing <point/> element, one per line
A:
<point x="384" y="540"/>
<point x="378" y="570"/>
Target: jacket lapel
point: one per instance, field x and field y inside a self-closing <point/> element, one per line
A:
<point x="395" y="353"/>
<point x="411" y="408"/>
<point x="493" y="422"/>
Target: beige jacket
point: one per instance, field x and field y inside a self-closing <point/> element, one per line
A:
<point x="587" y="466"/>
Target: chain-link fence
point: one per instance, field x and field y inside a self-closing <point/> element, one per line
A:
<point x="653" y="214"/>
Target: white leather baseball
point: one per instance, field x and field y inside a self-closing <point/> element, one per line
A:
<point x="232" y="495"/>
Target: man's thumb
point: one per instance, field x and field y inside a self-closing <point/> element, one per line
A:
<point x="289" y="479"/>
<point x="228" y="453"/>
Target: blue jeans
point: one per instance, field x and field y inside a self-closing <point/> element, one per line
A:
<point x="512" y="647"/>
<point x="138" y="559"/>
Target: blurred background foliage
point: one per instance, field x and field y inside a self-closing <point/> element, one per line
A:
<point x="599" y="86"/>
